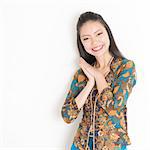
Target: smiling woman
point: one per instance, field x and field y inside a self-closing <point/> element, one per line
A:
<point x="97" y="39"/>
<point x="101" y="86"/>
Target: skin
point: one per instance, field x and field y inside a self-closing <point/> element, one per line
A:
<point x="93" y="34"/>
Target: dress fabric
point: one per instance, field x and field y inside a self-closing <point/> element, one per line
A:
<point x="90" y="144"/>
<point x="104" y="121"/>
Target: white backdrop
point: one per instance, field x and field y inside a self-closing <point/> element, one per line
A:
<point x="38" y="57"/>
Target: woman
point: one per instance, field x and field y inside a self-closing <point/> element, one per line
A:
<point x="101" y="86"/>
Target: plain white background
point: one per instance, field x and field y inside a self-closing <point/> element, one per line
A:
<point x="38" y="57"/>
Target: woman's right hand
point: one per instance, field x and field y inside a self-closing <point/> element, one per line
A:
<point x="90" y="77"/>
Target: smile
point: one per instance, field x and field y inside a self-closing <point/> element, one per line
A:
<point x="97" y="48"/>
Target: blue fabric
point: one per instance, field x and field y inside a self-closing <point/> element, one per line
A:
<point x="73" y="147"/>
<point x="124" y="147"/>
<point x="90" y="143"/>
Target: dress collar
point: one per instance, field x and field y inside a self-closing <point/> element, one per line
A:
<point x="111" y="61"/>
<point x="114" y="63"/>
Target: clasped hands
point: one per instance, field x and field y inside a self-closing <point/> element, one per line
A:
<point x="94" y="74"/>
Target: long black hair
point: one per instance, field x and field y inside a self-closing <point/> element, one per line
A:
<point x="91" y="16"/>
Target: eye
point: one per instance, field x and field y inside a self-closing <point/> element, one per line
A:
<point x="85" y="39"/>
<point x="99" y="33"/>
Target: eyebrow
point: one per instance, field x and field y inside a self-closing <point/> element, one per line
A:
<point x="89" y="35"/>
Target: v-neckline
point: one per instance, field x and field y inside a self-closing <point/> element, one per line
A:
<point x="110" y="72"/>
<point x="110" y="64"/>
<point x="110" y="61"/>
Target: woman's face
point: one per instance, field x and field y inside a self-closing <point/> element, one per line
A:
<point x="94" y="38"/>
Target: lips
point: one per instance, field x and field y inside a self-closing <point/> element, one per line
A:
<point x="98" y="48"/>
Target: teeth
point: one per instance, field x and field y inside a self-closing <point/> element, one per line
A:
<point x="97" y="48"/>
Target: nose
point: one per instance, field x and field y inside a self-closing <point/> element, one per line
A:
<point x="95" y="43"/>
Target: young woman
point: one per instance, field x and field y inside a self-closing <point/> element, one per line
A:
<point x="101" y="86"/>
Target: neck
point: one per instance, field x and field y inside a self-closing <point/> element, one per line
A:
<point x="102" y="61"/>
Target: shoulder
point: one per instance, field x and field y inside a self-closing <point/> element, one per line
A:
<point x="128" y="71"/>
<point x="127" y="64"/>
<point x="124" y="65"/>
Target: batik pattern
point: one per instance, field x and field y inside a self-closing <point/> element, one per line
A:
<point x="110" y="126"/>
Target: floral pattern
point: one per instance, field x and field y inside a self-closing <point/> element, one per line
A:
<point x="106" y="112"/>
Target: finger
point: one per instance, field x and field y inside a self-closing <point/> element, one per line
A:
<point x="85" y="71"/>
<point x="106" y="72"/>
<point x="87" y="65"/>
<point x="83" y="63"/>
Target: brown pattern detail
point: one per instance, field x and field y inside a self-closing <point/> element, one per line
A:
<point x="110" y="108"/>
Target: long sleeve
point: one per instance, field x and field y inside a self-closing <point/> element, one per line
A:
<point x="70" y="109"/>
<point x="114" y="99"/>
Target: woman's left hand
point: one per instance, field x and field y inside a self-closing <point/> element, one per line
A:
<point x="98" y="74"/>
<point x="95" y="72"/>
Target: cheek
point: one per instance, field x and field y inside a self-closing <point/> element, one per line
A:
<point x="107" y="39"/>
<point x="108" y="42"/>
<point x="87" y="48"/>
<point x="87" y="45"/>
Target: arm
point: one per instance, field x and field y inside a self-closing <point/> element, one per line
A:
<point x="82" y="97"/>
<point x="114" y="99"/>
<point x="75" y="99"/>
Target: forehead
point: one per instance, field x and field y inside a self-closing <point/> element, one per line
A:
<point x="90" y="27"/>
